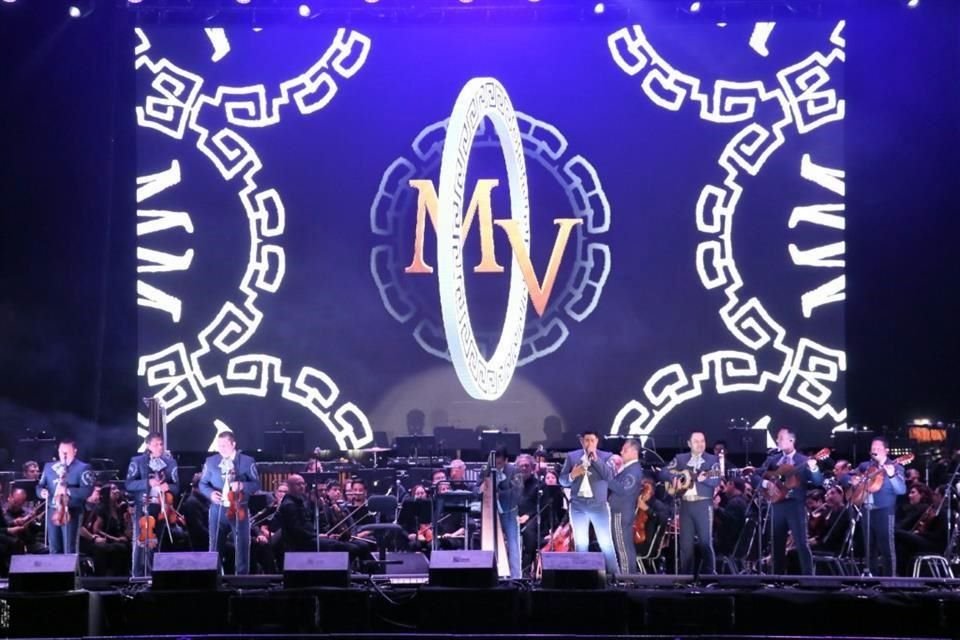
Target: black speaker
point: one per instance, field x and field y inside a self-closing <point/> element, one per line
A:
<point x="573" y="570"/>
<point x="474" y="569"/>
<point x="406" y="563"/>
<point x="186" y="570"/>
<point x="43" y="573"/>
<point x="311" y="569"/>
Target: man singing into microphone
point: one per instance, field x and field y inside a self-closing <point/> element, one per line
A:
<point x="586" y="472"/>
<point x="225" y="475"/>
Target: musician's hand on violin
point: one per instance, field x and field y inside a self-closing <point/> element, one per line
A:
<point x="235" y="486"/>
<point x="216" y="497"/>
<point x="523" y="519"/>
<point x="262" y="539"/>
<point x="364" y="534"/>
<point x="716" y="500"/>
<point x="855" y="480"/>
<point x="155" y="482"/>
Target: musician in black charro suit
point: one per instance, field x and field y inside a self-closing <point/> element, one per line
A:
<point x="696" y="503"/>
<point x="150" y="476"/>
<point x="624" y="491"/>
<point x="790" y="514"/>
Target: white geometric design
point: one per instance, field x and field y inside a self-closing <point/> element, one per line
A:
<point x="178" y="374"/>
<point x="805" y="99"/>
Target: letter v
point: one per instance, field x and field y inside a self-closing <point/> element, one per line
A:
<point x="539" y="294"/>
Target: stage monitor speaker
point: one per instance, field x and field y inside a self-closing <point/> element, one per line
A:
<point x="311" y="569"/>
<point x="186" y="570"/>
<point x="573" y="570"/>
<point x="474" y="569"/>
<point x="407" y="563"/>
<point x="43" y="573"/>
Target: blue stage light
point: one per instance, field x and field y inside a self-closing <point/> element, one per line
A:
<point x="599" y="8"/>
<point x="695" y="7"/>
<point x="304" y="11"/>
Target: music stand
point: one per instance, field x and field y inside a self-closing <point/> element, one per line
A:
<point x="284" y="443"/>
<point x="455" y="438"/>
<point x="414" y="514"/>
<point x="418" y="475"/>
<point x="491" y="440"/>
<point x="378" y="481"/>
<point x="454" y="502"/>
<point x="415" y="446"/>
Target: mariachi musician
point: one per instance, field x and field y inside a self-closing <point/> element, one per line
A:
<point x="65" y="485"/>
<point x="625" y="490"/>
<point x="790" y="514"/>
<point x="229" y="479"/>
<point x="151" y="477"/>
<point x="696" y="503"/>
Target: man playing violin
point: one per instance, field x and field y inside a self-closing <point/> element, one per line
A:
<point x="151" y="478"/>
<point x="65" y="485"/>
<point x="880" y="506"/>
<point x="229" y="479"/>
<point x="790" y="513"/>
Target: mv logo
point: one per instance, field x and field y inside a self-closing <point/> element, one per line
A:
<point x="482" y="378"/>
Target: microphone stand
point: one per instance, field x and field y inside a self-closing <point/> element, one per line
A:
<point x="316" y="512"/>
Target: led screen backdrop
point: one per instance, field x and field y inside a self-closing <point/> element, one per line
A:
<point x="634" y="228"/>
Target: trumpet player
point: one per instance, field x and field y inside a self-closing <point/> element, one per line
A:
<point x="587" y="473"/>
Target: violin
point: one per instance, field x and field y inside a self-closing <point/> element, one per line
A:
<point x="425" y="533"/>
<point x="169" y="513"/>
<point x="643" y="513"/>
<point x="148" y="531"/>
<point x="61" y="512"/>
<point x="236" y="510"/>
<point x="561" y="540"/>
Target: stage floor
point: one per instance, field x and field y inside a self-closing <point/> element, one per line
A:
<point x="646" y="606"/>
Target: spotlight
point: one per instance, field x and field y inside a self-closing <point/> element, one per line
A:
<point x="913" y="4"/>
<point x="465" y="1"/>
<point x="304" y="11"/>
<point x="73" y="11"/>
<point x="694" y="7"/>
<point x="243" y="1"/>
<point x="371" y="1"/>
<point x="134" y="1"/>
<point x="9" y="1"/>
<point x="599" y="8"/>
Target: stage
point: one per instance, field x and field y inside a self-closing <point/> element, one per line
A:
<point x="645" y="606"/>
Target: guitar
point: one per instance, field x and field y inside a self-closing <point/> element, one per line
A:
<point x="783" y="479"/>
<point x="872" y="480"/>
<point x="684" y="480"/>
